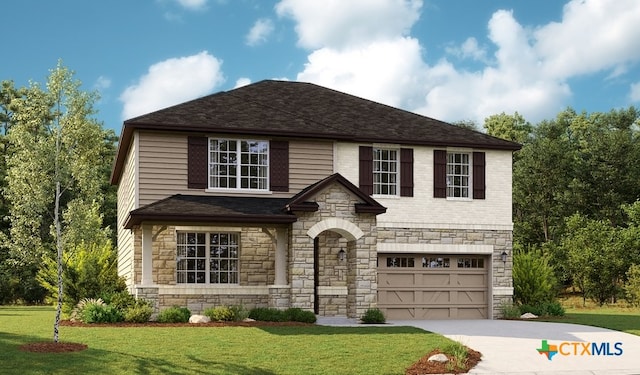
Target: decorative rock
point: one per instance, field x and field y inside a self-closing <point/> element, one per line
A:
<point x="438" y="358"/>
<point x="248" y="320"/>
<point x="199" y="319"/>
<point x="528" y="316"/>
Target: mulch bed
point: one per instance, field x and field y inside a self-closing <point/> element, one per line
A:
<point x="422" y="366"/>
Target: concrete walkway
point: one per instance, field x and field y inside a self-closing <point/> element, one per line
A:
<point x="510" y="347"/>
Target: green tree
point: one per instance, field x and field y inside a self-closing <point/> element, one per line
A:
<point x="596" y="256"/>
<point x="54" y="171"/>
<point x="542" y="171"/>
<point x="534" y="282"/>
<point x="510" y="127"/>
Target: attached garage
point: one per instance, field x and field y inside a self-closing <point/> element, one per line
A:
<point x="433" y="286"/>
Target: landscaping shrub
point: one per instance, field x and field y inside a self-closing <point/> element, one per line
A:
<point x="239" y="313"/>
<point x="220" y="314"/>
<point x="121" y="300"/>
<point x="76" y="314"/>
<point x="459" y="353"/>
<point x="373" y="316"/>
<point x="96" y="313"/>
<point x="295" y="314"/>
<point x="533" y="279"/>
<point x="140" y="312"/>
<point x="267" y="314"/>
<point x="174" y="314"/>
<point x="510" y="311"/>
<point x="544" y="309"/>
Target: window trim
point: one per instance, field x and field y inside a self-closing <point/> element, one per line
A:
<point x="396" y="184"/>
<point x="239" y="165"/>
<point x="469" y="185"/>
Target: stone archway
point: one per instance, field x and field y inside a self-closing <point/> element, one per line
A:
<point x="347" y="229"/>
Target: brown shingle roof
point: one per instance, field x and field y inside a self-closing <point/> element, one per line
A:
<point x="296" y="109"/>
<point x="206" y="208"/>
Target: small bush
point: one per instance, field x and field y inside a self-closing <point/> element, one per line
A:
<point x="533" y="279"/>
<point x="544" y="309"/>
<point x="267" y="314"/>
<point x="220" y="314"/>
<point x="373" y="316"/>
<point x="140" y="312"/>
<point x="295" y="314"/>
<point x="95" y="313"/>
<point x="554" y="309"/>
<point x="459" y="353"/>
<point x="510" y="311"/>
<point x="76" y="314"/>
<point x="239" y="313"/>
<point x="120" y="300"/>
<point x="174" y="314"/>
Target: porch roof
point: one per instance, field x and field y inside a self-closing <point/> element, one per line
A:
<point x="199" y="208"/>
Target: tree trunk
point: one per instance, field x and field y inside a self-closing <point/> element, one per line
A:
<point x="59" y="260"/>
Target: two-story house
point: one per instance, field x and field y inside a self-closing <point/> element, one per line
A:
<point x="288" y="194"/>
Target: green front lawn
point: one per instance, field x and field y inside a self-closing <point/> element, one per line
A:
<point x="222" y="350"/>
<point x="616" y="317"/>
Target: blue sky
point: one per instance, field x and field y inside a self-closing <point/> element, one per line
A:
<point x="448" y="59"/>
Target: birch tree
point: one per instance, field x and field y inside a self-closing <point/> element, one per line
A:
<point x="53" y="171"/>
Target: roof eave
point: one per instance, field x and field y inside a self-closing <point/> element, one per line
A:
<point x="135" y="219"/>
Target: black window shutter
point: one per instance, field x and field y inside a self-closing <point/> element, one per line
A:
<point x="406" y="172"/>
<point x="439" y="173"/>
<point x="478" y="175"/>
<point x="366" y="169"/>
<point x="197" y="160"/>
<point x="279" y="165"/>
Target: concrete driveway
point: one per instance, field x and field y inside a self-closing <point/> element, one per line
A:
<point x="510" y="347"/>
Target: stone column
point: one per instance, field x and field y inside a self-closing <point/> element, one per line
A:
<point x="147" y="255"/>
<point x="281" y="257"/>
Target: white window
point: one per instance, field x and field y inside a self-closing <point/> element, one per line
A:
<point x="385" y="172"/>
<point x="207" y="258"/>
<point x="458" y="174"/>
<point x="238" y="164"/>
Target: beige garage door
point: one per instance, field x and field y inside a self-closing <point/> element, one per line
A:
<point x="433" y="286"/>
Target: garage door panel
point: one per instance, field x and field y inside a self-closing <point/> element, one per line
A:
<point x="471" y="280"/>
<point x="454" y="291"/>
<point x="398" y="297"/>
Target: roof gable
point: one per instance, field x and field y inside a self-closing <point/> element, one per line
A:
<point x="300" y="202"/>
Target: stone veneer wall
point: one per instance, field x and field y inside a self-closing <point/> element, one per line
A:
<point x="257" y="257"/>
<point x="361" y="276"/>
<point x="501" y="240"/>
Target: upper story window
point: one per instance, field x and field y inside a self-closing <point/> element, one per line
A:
<point x="458" y="175"/>
<point x="238" y="164"/>
<point x="385" y="171"/>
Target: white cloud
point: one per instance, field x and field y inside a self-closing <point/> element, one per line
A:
<point x="259" y="32"/>
<point x="634" y="92"/>
<point x="102" y="83"/>
<point x="244" y="81"/>
<point x="469" y="50"/>
<point x="594" y="35"/>
<point x="171" y="82"/>
<point x="386" y="71"/>
<point x="193" y="4"/>
<point x="339" y="23"/>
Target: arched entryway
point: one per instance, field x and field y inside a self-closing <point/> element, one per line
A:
<point x="334" y="241"/>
